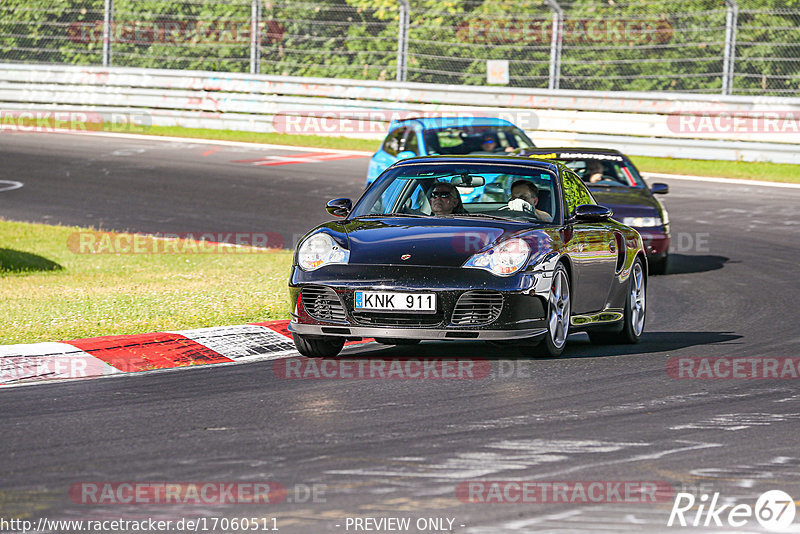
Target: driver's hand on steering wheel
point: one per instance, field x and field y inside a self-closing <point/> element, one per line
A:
<point x="519" y="204"/>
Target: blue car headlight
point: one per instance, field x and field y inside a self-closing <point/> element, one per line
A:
<point x="319" y="250"/>
<point x="503" y="259"/>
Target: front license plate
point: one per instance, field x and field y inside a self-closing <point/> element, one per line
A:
<point x="391" y="301"/>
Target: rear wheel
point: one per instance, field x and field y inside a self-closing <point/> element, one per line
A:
<point x="558" y="315"/>
<point x="318" y="347"/>
<point x="635" y="310"/>
<point x="395" y="341"/>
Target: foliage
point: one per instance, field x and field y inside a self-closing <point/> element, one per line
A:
<point x="640" y="45"/>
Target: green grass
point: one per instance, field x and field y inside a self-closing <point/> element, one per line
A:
<point x="311" y="141"/>
<point x="776" y="172"/>
<point x="773" y="172"/>
<point x="50" y="291"/>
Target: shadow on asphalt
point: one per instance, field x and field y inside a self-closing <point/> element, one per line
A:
<point x="16" y="261"/>
<point x="651" y="342"/>
<point x="683" y="264"/>
<point x="578" y="346"/>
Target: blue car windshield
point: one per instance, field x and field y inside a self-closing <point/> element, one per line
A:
<point x="463" y="140"/>
<point x="524" y="192"/>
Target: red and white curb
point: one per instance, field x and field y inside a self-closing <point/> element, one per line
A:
<point x="111" y="355"/>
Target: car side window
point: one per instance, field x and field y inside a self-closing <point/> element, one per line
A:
<point x="575" y="193"/>
<point x="394" y="142"/>
<point x="411" y="142"/>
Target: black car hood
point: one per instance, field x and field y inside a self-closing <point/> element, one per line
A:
<point x="627" y="202"/>
<point x="445" y="242"/>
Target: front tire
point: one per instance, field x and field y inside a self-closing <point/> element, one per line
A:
<point x="318" y="347"/>
<point x="635" y="311"/>
<point x="558" y="315"/>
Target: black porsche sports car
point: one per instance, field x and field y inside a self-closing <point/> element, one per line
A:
<point x="616" y="183"/>
<point x="400" y="268"/>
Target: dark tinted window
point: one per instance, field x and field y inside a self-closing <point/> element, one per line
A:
<point x="411" y="142"/>
<point x="394" y="142"/>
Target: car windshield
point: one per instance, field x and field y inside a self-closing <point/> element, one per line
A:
<point x="475" y="139"/>
<point x="605" y="171"/>
<point x="524" y="193"/>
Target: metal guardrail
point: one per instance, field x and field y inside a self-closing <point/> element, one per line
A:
<point x="654" y="124"/>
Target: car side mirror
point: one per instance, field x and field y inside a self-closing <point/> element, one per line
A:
<point x="405" y="154"/>
<point x="339" y="207"/>
<point x="592" y="213"/>
<point x="659" y="189"/>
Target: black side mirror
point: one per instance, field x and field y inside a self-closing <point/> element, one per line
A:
<point x="339" y="207"/>
<point x="592" y="213"/>
<point x="659" y="189"/>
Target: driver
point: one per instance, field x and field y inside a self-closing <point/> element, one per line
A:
<point x="524" y="197"/>
<point x="445" y="199"/>
<point x="594" y="171"/>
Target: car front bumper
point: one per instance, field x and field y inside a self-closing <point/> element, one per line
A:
<point x="521" y="315"/>
<point x="413" y="333"/>
<point x="656" y="241"/>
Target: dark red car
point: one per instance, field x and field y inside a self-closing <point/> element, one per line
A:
<point x="615" y="182"/>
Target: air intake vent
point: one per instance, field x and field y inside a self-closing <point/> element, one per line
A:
<point x="323" y="304"/>
<point x="477" y="307"/>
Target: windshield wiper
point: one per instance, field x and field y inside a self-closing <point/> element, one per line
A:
<point x="496" y="217"/>
<point x="373" y="215"/>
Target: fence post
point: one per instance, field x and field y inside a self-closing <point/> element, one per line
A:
<point x="555" y="44"/>
<point x="402" y="41"/>
<point x="108" y="31"/>
<point x="255" y="37"/>
<point x="729" y="54"/>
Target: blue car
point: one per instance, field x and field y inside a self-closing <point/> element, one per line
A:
<point x="445" y="136"/>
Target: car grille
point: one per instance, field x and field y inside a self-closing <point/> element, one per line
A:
<point x="397" y="319"/>
<point x="477" y="307"/>
<point x="323" y="304"/>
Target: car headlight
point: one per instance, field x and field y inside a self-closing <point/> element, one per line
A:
<point x="503" y="259"/>
<point x="320" y="250"/>
<point x="642" y="222"/>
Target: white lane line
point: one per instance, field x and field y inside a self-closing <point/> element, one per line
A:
<point x="9" y="185"/>
<point x="731" y="181"/>
<point x="219" y="142"/>
<point x="639" y="458"/>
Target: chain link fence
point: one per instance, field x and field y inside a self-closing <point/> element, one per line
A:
<point x="745" y="47"/>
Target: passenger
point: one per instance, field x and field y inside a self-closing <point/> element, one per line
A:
<point x="594" y="171"/>
<point x="445" y="200"/>
<point x="524" y="197"/>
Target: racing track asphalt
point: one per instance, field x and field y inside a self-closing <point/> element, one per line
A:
<point x="399" y="448"/>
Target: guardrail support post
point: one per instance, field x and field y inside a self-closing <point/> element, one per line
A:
<point x="729" y="54"/>
<point x="555" y="44"/>
<point x="108" y="31"/>
<point x="402" y="41"/>
<point x="255" y="37"/>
